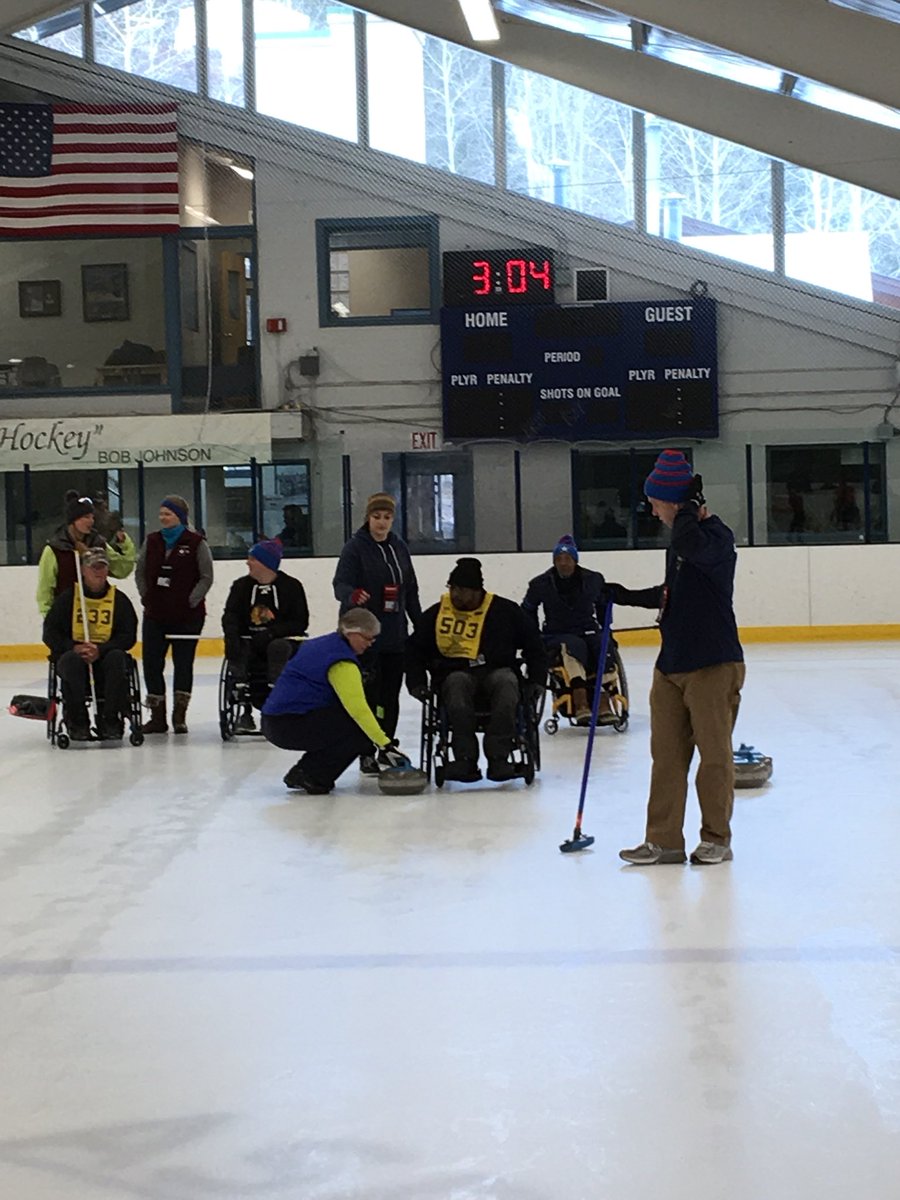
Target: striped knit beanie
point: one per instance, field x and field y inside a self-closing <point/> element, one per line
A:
<point x="670" y="479"/>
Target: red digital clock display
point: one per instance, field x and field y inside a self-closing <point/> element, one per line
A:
<point x="498" y="277"/>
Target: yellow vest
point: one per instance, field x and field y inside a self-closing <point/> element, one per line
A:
<point x="99" y="616"/>
<point x="458" y="634"/>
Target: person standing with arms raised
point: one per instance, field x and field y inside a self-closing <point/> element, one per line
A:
<point x="174" y="572"/>
<point x="375" y="572"/>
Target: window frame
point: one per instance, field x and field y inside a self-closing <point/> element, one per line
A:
<point x="398" y="233"/>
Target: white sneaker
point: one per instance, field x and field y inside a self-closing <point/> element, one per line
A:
<point x="709" y="853"/>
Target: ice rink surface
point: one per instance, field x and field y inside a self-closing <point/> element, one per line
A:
<point x="213" y="988"/>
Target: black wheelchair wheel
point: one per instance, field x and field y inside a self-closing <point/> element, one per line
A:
<point x="551" y="725"/>
<point x="438" y="775"/>
<point x="136" y="738"/>
<point x="62" y="741"/>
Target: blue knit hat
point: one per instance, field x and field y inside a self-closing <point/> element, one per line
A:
<point x="670" y="479"/>
<point x="268" y="553"/>
<point x="566" y="545"/>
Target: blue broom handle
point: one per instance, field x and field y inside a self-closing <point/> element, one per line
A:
<point x="595" y="708"/>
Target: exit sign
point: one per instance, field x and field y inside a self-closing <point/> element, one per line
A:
<point x="423" y="439"/>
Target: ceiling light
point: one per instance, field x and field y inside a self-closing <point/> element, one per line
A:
<point x="244" y="172"/>
<point x="481" y="20"/>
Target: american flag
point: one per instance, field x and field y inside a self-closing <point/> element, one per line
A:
<point x="88" y="168"/>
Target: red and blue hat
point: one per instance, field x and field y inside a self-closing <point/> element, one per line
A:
<point x="670" y="479"/>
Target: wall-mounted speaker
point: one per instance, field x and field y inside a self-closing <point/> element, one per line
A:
<point x="591" y="284"/>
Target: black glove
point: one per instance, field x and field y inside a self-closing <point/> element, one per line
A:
<point x="392" y="758"/>
<point x="419" y="691"/>
<point x="695" y="495"/>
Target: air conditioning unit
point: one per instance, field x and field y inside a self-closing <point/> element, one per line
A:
<point x="591" y="284"/>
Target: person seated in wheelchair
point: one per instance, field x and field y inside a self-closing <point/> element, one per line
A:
<point x="318" y="705"/>
<point x="469" y="643"/>
<point x="574" y="601"/>
<point x="263" y="611"/>
<point x="100" y="650"/>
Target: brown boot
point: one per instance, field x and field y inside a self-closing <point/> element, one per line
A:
<point x="157" y="722"/>
<point x="580" y="705"/>
<point x="179" y="711"/>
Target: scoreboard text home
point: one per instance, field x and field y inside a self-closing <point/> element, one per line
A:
<point x="605" y="372"/>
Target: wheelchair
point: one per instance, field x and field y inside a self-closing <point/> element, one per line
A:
<point x="434" y="739"/>
<point x="238" y="698"/>
<point x="615" y="689"/>
<point x="57" y="732"/>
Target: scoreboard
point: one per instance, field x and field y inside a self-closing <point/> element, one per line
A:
<point x="605" y="372"/>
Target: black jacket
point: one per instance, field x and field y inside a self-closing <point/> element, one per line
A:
<point x="291" y="613"/>
<point x="698" y="624"/>
<point x="580" y="607"/>
<point x="507" y="632"/>
<point x="58" y="625"/>
<point x="373" y="566"/>
<point x="570" y="606"/>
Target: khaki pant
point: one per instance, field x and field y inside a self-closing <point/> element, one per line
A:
<point x="688" y="709"/>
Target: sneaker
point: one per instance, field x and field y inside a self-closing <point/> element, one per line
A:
<point x="648" y="854"/>
<point x="297" y="780"/>
<point x="462" y="770"/>
<point x="500" y="770"/>
<point x="709" y="853"/>
<point x="245" y="722"/>
<point x="368" y="765"/>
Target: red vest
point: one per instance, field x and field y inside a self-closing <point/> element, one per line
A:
<point x="169" y="603"/>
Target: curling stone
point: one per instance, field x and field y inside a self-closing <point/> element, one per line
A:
<point x="751" y="769"/>
<point x="402" y="781"/>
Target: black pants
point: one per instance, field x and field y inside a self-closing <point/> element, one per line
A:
<point x="111" y="678"/>
<point x="461" y="693"/>
<point x="156" y="646"/>
<point x="249" y="665"/>
<point x="330" y="737"/>
<point x="382" y="681"/>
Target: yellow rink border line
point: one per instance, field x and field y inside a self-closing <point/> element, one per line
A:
<point x="214" y="647"/>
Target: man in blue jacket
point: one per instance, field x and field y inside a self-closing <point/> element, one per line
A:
<point x="698" y="675"/>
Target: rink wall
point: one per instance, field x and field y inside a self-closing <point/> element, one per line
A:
<point x="782" y="593"/>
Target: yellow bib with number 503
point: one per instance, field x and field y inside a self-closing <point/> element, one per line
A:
<point x="99" y="611"/>
<point x="458" y="634"/>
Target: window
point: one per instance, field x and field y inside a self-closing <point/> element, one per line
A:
<point x="63" y="32"/>
<point x="155" y="39"/>
<point x="93" y="317"/>
<point x="825" y="494"/>
<point x="453" y="128"/>
<point x="568" y="146"/>
<point x="611" y="510"/>
<point x="378" y="271"/>
<point x="709" y="193"/>
<point x="225" y="51"/>
<point x="839" y="235"/>
<point x="215" y="186"/>
<point x="285" y="506"/>
<point x="306" y="64"/>
<point x="436" y="506"/>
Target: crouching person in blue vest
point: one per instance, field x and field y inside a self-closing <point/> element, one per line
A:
<point x="318" y="705"/>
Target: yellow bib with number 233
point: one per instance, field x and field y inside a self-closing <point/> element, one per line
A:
<point x="458" y="634"/>
<point x="99" y="611"/>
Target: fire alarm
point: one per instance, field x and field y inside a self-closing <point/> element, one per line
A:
<point x="276" y="324"/>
